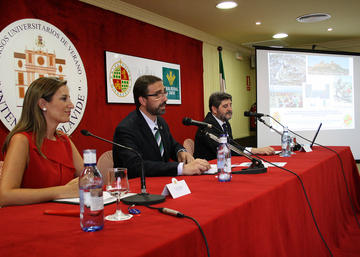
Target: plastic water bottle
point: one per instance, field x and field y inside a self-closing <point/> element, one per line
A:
<point x="285" y="143"/>
<point x="224" y="160"/>
<point x="91" y="194"/>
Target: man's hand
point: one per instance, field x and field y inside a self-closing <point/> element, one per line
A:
<point x="185" y="157"/>
<point x="196" y="167"/>
<point x="268" y="150"/>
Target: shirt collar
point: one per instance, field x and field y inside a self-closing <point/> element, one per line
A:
<point x="219" y="121"/>
<point x="150" y="122"/>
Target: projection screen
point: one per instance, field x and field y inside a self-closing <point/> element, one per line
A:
<point x="303" y="88"/>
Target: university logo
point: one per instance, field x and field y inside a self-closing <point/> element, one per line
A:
<point x="30" y="49"/>
<point x="120" y="79"/>
<point x="171" y="82"/>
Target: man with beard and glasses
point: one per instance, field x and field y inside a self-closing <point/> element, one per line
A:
<point x="220" y="105"/>
<point x="146" y="131"/>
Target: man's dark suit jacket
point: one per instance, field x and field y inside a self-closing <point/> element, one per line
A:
<point x="134" y="132"/>
<point x="205" y="147"/>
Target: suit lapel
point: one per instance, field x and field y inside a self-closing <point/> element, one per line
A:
<point x="147" y="133"/>
<point x="215" y="123"/>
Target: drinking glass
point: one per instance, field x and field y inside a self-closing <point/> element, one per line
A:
<point x="117" y="185"/>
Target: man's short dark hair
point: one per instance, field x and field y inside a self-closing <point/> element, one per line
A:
<point x="216" y="98"/>
<point x="141" y="87"/>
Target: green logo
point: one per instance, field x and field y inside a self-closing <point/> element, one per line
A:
<point x="171" y="83"/>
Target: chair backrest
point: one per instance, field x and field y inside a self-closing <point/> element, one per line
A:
<point x="189" y="145"/>
<point x="105" y="162"/>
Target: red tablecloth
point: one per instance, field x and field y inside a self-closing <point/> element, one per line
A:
<point x="253" y="215"/>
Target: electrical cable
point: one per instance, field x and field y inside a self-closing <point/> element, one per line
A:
<point x="342" y="170"/>
<point x="181" y="215"/>
<point x="306" y="197"/>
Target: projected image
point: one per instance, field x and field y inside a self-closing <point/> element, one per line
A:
<point x="328" y="65"/>
<point x="286" y="97"/>
<point x="287" y="69"/>
<point x="343" y="90"/>
<point x="306" y="89"/>
<point x="329" y="91"/>
<point x="317" y="93"/>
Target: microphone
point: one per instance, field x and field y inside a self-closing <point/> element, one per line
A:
<point x="254" y="114"/>
<point x="142" y="198"/>
<point x="188" y="121"/>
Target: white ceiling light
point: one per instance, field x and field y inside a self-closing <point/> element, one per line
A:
<point x="330" y="29"/>
<point x="313" y="17"/>
<point x="258" y="23"/>
<point x="280" y="35"/>
<point x="226" y="5"/>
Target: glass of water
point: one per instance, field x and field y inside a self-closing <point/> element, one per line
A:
<point x="117" y="185"/>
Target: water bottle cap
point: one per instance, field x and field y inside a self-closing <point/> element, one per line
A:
<point x="89" y="156"/>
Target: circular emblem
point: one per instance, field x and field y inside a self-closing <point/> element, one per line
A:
<point x="33" y="48"/>
<point x="120" y="79"/>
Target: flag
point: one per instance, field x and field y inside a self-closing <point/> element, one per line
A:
<point x="221" y="71"/>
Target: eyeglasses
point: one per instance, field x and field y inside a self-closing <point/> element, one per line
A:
<point x="159" y="95"/>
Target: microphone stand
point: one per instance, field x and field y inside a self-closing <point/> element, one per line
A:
<point x="269" y="126"/>
<point x="142" y="198"/>
<point x="296" y="146"/>
<point x="256" y="166"/>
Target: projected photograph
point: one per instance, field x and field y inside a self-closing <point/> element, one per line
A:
<point x="287" y="69"/>
<point x="328" y="91"/>
<point x="316" y="94"/>
<point x="286" y="97"/>
<point x="328" y="65"/>
<point x="343" y="90"/>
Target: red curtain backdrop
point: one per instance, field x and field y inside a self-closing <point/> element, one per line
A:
<point x="93" y="30"/>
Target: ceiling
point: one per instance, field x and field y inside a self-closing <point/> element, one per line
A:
<point x="238" y="25"/>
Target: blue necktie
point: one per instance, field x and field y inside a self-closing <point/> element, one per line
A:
<point x="225" y="128"/>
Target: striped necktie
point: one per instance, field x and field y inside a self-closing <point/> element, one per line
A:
<point x="159" y="141"/>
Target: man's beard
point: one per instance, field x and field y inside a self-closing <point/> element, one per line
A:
<point x="223" y="117"/>
<point x="156" y="111"/>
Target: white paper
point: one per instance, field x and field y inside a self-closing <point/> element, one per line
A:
<point x="106" y="196"/>
<point x="266" y="165"/>
<point x="212" y="170"/>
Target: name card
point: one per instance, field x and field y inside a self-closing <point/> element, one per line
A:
<point x="176" y="188"/>
<point x="306" y="148"/>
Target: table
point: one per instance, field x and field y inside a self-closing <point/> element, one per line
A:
<point x="253" y="215"/>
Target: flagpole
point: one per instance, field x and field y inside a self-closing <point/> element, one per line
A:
<point x="221" y="72"/>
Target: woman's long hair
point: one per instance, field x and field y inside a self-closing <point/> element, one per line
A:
<point x="32" y="118"/>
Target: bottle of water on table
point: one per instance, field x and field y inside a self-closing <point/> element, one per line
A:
<point x="91" y="194"/>
<point x="285" y="143"/>
<point x="224" y="160"/>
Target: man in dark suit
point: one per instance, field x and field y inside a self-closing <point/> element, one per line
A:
<point x="220" y="105"/>
<point x="147" y="132"/>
